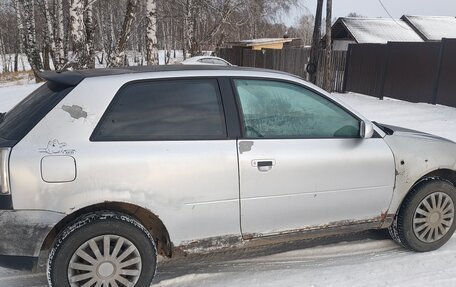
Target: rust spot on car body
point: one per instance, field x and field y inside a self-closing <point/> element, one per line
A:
<point x="256" y="239"/>
<point x="245" y="146"/>
<point x="383" y="216"/>
<point x="75" y="111"/>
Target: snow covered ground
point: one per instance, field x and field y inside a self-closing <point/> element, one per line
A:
<point x="438" y="120"/>
<point x="364" y="259"/>
<point x="134" y="59"/>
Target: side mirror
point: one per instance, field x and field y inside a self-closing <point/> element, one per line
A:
<point x="366" y="130"/>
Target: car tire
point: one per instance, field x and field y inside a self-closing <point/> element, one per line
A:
<point x="102" y="248"/>
<point x="392" y="230"/>
<point x="426" y="219"/>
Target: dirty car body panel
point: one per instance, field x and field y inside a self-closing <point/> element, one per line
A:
<point x="202" y="188"/>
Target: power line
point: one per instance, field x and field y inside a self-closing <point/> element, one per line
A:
<point x="389" y="14"/>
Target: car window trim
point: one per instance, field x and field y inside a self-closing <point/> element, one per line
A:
<point x="241" y="115"/>
<point x="94" y="137"/>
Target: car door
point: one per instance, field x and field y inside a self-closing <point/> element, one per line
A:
<point x="303" y="163"/>
<point x="164" y="144"/>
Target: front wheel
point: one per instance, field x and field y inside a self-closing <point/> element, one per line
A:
<point x="103" y="249"/>
<point x="426" y="220"/>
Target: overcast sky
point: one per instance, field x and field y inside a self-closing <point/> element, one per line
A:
<point x="372" y="8"/>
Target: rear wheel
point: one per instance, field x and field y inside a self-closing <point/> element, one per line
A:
<point x="103" y="249"/>
<point x="426" y="219"/>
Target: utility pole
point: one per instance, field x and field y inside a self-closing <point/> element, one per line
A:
<point x="312" y="66"/>
<point x="327" y="83"/>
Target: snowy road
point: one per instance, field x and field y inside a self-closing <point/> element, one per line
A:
<point x="366" y="259"/>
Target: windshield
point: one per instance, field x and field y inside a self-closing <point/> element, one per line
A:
<point x="25" y="115"/>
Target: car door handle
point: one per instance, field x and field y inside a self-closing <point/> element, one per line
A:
<point x="263" y="164"/>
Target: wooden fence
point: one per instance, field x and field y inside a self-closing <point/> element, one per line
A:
<point x="415" y="72"/>
<point x="290" y="60"/>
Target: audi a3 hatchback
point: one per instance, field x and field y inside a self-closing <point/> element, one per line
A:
<point x="102" y="171"/>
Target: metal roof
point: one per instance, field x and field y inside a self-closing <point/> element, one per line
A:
<point x="262" y="41"/>
<point x="432" y="28"/>
<point x="374" y="30"/>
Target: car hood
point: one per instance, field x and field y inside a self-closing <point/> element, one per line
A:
<point x="400" y="131"/>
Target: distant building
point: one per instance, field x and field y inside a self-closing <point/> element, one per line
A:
<point x="359" y="30"/>
<point x="432" y="28"/>
<point x="266" y="43"/>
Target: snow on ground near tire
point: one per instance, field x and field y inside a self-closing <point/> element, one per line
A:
<point x="359" y="263"/>
<point x="350" y="262"/>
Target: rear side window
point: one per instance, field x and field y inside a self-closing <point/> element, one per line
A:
<point x="25" y="115"/>
<point x="164" y="110"/>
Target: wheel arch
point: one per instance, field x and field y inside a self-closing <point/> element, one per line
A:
<point x="146" y="217"/>
<point x="445" y="174"/>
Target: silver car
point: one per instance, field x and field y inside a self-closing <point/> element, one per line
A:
<point x="206" y="60"/>
<point x="104" y="170"/>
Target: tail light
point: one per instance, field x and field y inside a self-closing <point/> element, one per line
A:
<point x="4" y="171"/>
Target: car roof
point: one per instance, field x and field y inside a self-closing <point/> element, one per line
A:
<point x="73" y="78"/>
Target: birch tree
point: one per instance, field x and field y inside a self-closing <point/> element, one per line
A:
<point x="73" y="30"/>
<point x="90" y="34"/>
<point x="59" y="51"/>
<point x="32" y="52"/>
<point x="118" y="57"/>
<point x="151" y="33"/>
<point x="77" y="33"/>
<point x="189" y="28"/>
<point x="50" y="39"/>
<point x="3" y="54"/>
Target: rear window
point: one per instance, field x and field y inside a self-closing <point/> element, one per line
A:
<point x="164" y="110"/>
<point x="25" y="115"/>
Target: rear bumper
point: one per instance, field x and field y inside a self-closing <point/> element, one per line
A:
<point x="23" y="231"/>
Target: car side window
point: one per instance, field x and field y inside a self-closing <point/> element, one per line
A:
<point x="164" y="110"/>
<point x="274" y="109"/>
<point x="219" y="62"/>
<point x="206" y="61"/>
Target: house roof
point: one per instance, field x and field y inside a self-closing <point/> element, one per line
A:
<point x="432" y="28"/>
<point x="263" y="41"/>
<point x="374" y="30"/>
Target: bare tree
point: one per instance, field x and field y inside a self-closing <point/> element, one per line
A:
<point x="77" y="34"/>
<point x="90" y="34"/>
<point x="189" y="28"/>
<point x="151" y="33"/>
<point x="32" y="52"/>
<point x="118" y="57"/>
<point x="72" y="31"/>
<point x="313" y="62"/>
<point x="60" y="59"/>
<point x="50" y="39"/>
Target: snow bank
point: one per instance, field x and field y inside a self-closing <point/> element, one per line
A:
<point x="438" y="120"/>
